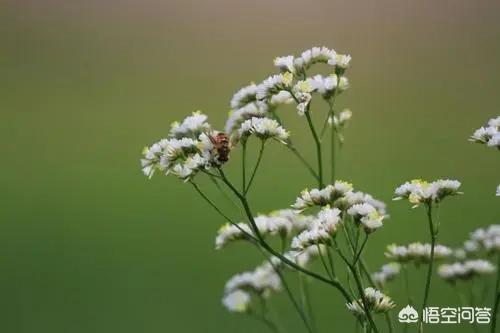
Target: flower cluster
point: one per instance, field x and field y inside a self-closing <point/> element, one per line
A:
<point x="263" y="128"/>
<point x="367" y="216"/>
<point x="188" y="149"/>
<point x="489" y="134"/>
<point x="298" y="65"/>
<point x="420" y="191"/>
<point x="376" y="301"/>
<point x="281" y="222"/>
<point x="320" y="231"/>
<point x="417" y="253"/>
<point x="236" y="301"/>
<point x="484" y="238"/>
<point x="465" y="270"/>
<point x="263" y="280"/>
<point x="387" y="273"/>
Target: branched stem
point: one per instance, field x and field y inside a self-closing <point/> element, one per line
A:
<point x="317" y="142"/>
<point x="259" y="159"/>
<point x="335" y="283"/>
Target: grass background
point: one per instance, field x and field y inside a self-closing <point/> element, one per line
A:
<point x="90" y="245"/>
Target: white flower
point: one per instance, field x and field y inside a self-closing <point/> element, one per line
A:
<point x="498" y="191"/>
<point x="316" y="55"/>
<point x="263" y="128"/>
<point x="417" y="252"/>
<point x="298" y="221"/>
<point x="285" y="64"/>
<point x="324" y="85"/>
<point x="323" y="197"/>
<point x="282" y="97"/>
<point x="191" y="126"/>
<point x="262" y="280"/>
<point x="366" y="215"/>
<point x="340" y="121"/>
<point x="488" y="239"/>
<point x="273" y="85"/>
<point x="489" y="134"/>
<point x="419" y="191"/>
<point x="376" y="301"/>
<point x="229" y="233"/>
<point x="319" y="231"/>
<point x="244" y="96"/>
<point x="237" y="117"/>
<point x="342" y="61"/>
<point x="466" y="270"/>
<point x="236" y="301"/>
<point x="387" y="273"/>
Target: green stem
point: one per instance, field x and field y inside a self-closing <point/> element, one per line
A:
<point x="496" y="300"/>
<point x="272" y="327"/>
<point x="259" y="159"/>
<point x="431" y="264"/>
<point x="303" y="160"/>
<point x="360" y="250"/>
<point x="220" y="212"/>
<point x="306" y="299"/>
<point x="244" y="166"/>
<point x="317" y="142"/>
<point x="335" y="283"/>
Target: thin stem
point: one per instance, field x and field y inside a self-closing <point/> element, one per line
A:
<point x="259" y="159"/>
<point x="335" y="283"/>
<point x="220" y="212"/>
<point x="244" y="167"/>
<point x="360" y="250"/>
<point x="496" y="300"/>
<point x="289" y="293"/>
<point x="324" y="262"/>
<point x="272" y="327"/>
<point x="431" y="263"/>
<point x="306" y="299"/>
<point x="317" y="141"/>
<point x="303" y="160"/>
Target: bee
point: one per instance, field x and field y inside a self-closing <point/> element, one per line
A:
<point x="221" y="145"/>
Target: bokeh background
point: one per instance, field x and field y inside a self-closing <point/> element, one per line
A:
<point x="88" y="244"/>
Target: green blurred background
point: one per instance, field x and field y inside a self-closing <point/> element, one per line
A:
<point x="88" y="244"/>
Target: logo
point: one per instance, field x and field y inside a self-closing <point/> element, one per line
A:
<point x="408" y="315"/>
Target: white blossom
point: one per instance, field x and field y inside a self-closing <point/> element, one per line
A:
<point x="273" y="85"/>
<point x="263" y="128"/>
<point x="236" y="301"/>
<point x="229" y="233"/>
<point x="376" y="301"/>
<point x="237" y="117"/>
<point x="191" y="126"/>
<point x="323" y="197"/>
<point x="320" y="231"/>
<point x="417" y="253"/>
<point x="262" y="280"/>
<point x="466" y="270"/>
<point x="419" y="191"/>
<point x="367" y="216"/>
<point x="489" y="134"/>
<point x="285" y="64"/>
<point x="387" y="273"/>
<point x="244" y="96"/>
<point x="498" y="191"/>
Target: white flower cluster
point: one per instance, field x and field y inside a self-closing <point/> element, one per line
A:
<point x="188" y="149"/>
<point x="419" y="191"/>
<point x="387" y="273"/>
<point x="320" y="231"/>
<point x="239" y="116"/>
<point x="298" y="65"/>
<point x="263" y="128"/>
<point x="489" y="135"/>
<point x="487" y="239"/>
<point x="263" y="280"/>
<point x="323" y="197"/>
<point x="341" y="120"/>
<point x="417" y="253"/>
<point x="237" y="301"/>
<point x="376" y="302"/>
<point x="465" y="270"/>
<point x="498" y="191"/>
<point x="281" y="222"/>
<point x="367" y="216"/>
<point x="339" y="195"/>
